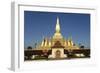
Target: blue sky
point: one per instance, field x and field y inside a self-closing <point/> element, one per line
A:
<point x="42" y="24"/>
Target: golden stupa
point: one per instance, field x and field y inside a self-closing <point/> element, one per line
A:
<point x="57" y="41"/>
<point x="57" y="47"/>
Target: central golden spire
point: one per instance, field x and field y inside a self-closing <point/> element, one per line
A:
<point x="57" y="34"/>
<point x="57" y="26"/>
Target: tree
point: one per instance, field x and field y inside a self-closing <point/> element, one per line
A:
<point x="82" y="46"/>
<point x="29" y="47"/>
